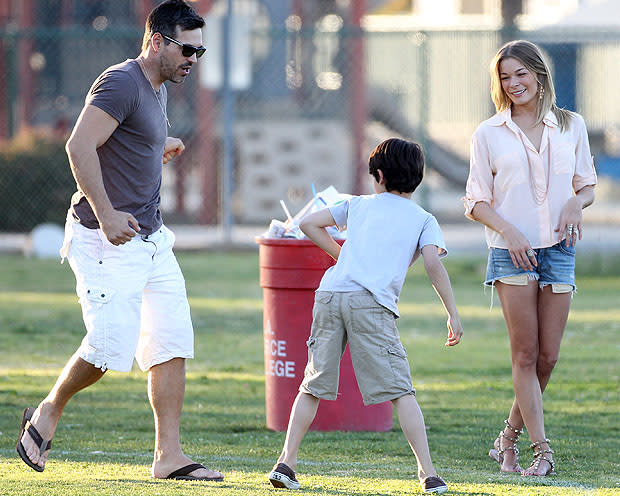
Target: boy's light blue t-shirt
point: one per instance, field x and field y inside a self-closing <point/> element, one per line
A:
<point x="383" y="233"/>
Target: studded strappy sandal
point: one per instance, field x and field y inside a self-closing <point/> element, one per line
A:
<point x="497" y="453"/>
<point x="539" y="456"/>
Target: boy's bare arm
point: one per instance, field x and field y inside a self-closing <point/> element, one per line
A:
<point x="314" y="226"/>
<point x="441" y="282"/>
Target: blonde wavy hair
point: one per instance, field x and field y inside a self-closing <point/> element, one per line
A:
<point x="531" y="57"/>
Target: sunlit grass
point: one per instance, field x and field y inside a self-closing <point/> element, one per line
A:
<point x="104" y="441"/>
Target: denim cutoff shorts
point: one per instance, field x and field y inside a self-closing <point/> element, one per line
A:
<point x="556" y="265"/>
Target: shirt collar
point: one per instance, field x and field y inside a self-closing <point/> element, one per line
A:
<point x="500" y="118"/>
<point x="550" y="119"/>
<point x="504" y="117"/>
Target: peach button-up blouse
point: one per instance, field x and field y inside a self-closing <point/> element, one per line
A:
<point x="501" y="175"/>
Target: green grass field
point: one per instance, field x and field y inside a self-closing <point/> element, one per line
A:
<point x="104" y="441"/>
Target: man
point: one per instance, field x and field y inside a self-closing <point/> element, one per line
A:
<point x="130" y="286"/>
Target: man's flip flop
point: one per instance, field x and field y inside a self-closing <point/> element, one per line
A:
<point x="183" y="474"/>
<point x="36" y="437"/>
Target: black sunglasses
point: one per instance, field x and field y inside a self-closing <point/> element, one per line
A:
<point x="187" y="50"/>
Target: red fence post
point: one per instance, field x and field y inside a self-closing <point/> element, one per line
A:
<point x="5" y="12"/>
<point x="207" y="152"/>
<point x="358" y="111"/>
<point x="25" y="106"/>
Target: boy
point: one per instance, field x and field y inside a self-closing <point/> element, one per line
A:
<point x="357" y="302"/>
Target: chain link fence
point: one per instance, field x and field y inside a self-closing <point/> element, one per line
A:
<point x="313" y="93"/>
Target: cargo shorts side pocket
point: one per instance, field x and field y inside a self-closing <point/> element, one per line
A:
<point x="98" y="296"/>
<point x="311" y="365"/>
<point x="397" y="357"/>
<point x="93" y="300"/>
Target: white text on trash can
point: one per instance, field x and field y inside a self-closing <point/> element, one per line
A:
<point x="277" y="365"/>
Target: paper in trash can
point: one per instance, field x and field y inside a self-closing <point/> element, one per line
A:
<point x="290" y="228"/>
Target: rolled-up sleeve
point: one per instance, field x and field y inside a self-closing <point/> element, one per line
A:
<point x="340" y="213"/>
<point x="480" y="181"/>
<point x="585" y="174"/>
<point x="431" y="235"/>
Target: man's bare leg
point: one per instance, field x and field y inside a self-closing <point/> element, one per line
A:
<point x="75" y="376"/>
<point x="166" y="393"/>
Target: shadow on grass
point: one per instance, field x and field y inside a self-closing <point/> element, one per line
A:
<point x="468" y="493"/>
<point x="169" y="482"/>
<point x="134" y="481"/>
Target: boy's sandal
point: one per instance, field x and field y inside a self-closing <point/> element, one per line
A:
<point x="539" y="456"/>
<point x="497" y="453"/>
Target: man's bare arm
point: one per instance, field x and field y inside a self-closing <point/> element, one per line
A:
<point x="92" y="129"/>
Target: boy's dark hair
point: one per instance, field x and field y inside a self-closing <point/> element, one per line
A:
<point x="402" y="163"/>
<point x="167" y="16"/>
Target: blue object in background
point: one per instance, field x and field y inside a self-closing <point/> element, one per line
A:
<point x="564" y="57"/>
<point x="607" y="166"/>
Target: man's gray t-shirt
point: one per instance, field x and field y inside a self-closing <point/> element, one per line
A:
<point x="131" y="159"/>
<point x="383" y="233"/>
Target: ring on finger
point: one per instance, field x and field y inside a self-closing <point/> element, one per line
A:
<point x="530" y="253"/>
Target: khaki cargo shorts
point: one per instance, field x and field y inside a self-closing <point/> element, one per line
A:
<point x="379" y="359"/>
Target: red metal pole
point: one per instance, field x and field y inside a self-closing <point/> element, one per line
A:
<point x="202" y="142"/>
<point x="143" y="9"/>
<point x="358" y="104"/>
<point x="180" y="164"/>
<point x="67" y="10"/>
<point x="26" y="75"/>
<point x="207" y="149"/>
<point x="297" y="55"/>
<point x="4" y="75"/>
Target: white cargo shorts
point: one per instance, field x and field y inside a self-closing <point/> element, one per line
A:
<point x="133" y="298"/>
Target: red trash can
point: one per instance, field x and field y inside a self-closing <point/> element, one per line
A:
<point x="290" y="273"/>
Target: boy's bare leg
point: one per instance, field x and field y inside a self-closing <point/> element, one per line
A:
<point x="302" y="414"/>
<point x="412" y="423"/>
<point x="166" y="393"/>
<point x="76" y="375"/>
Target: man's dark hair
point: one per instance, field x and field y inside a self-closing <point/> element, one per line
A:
<point x="167" y="16"/>
<point x="402" y="163"/>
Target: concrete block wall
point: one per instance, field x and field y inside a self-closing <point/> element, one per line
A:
<point x="280" y="160"/>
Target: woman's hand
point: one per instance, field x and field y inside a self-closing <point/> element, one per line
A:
<point x="570" y="226"/>
<point x="516" y="242"/>
<point x="521" y="251"/>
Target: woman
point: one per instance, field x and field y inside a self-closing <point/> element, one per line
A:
<point x="531" y="175"/>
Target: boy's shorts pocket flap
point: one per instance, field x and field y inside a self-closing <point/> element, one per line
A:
<point x="398" y="351"/>
<point x="98" y="295"/>
<point x="362" y="301"/>
<point x="323" y="296"/>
